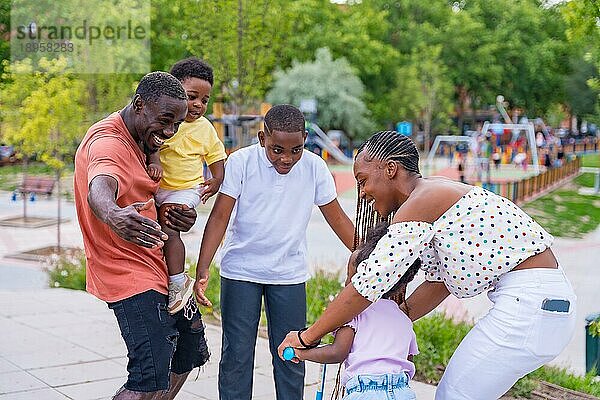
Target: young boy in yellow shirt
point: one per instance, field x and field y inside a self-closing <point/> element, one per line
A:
<point x="181" y="168"/>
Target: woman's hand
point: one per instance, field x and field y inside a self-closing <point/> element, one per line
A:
<point x="290" y="340"/>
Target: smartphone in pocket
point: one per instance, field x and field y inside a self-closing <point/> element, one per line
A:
<point x="556" y="305"/>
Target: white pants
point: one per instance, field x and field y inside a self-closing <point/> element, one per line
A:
<point x="513" y="339"/>
<point x="190" y="197"/>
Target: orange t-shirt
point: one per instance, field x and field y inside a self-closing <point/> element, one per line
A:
<point x="116" y="269"/>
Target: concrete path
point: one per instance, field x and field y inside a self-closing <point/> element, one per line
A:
<point x="61" y="344"/>
<point x="65" y="344"/>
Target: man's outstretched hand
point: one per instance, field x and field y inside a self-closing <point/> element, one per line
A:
<point x="131" y="225"/>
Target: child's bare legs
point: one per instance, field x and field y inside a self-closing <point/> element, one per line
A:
<point x="180" y="284"/>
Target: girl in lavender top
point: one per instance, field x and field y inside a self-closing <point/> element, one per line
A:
<point x="377" y="345"/>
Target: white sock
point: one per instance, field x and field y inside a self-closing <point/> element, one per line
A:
<point x="178" y="279"/>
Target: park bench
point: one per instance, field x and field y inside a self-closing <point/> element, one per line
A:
<point x="36" y="185"/>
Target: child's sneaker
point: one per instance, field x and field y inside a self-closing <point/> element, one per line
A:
<point x="180" y="294"/>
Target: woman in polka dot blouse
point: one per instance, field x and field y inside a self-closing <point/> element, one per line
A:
<point x="470" y="241"/>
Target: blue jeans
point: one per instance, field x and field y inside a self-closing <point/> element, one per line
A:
<point x="158" y="343"/>
<point x="285" y="306"/>
<point x="379" y="387"/>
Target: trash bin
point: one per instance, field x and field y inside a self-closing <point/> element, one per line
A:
<point x="592" y="346"/>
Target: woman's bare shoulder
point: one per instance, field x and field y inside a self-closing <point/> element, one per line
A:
<point x="430" y="199"/>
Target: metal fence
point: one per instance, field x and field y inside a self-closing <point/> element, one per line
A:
<point x="524" y="189"/>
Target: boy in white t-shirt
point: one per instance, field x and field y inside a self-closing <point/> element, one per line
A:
<point x="268" y="193"/>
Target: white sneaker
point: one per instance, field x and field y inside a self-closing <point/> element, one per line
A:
<point x="179" y="295"/>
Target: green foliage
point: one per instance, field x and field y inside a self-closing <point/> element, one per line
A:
<point x="107" y="93"/>
<point x="335" y="87"/>
<point x="321" y="289"/>
<point x="581" y="98"/>
<point x="423" y="92"/>
<point x="595" y="327"/>
<point x="67" y="271"/>
<point x="360" y="32"/>
<point x="590" y="160"/>
<point x="4" y="31"/>
<point x="123" y="53"/>
<point x="241" y="39"/>
<point x="213" y="291"/>
<point x="555" y="114"/>
<point x="560" y="376"/>
<point x="585" y="180"/>
<point x="550" y="211"/>
<point x="44" y="110"/>
<point x="523" y="387"/>
<point x="437" y="337"/>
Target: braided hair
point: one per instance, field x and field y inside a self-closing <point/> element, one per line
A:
<point x="382" y="146"/>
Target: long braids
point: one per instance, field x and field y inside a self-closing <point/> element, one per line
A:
<point x="383" y="146"/>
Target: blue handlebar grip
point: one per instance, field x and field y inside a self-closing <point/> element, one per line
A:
<point x="288" y="353"/>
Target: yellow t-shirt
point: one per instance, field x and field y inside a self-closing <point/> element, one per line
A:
<point x="181" y="156"/>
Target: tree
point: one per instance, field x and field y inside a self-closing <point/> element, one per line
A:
<point x="581" y="98"/>
<point x="423" y="91"/>
<point x="358" y="32"/>
<point x="4" y="33"/>
<point x="335" y="86"/>
<point x="46" y="114"/>
<point x="531" y="48"/>
<point x="583" y="30"/>
<point x="241" y="39"/>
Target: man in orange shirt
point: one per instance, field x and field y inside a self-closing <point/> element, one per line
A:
<point x="114" y="198"/>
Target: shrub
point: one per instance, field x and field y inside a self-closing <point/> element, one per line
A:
<point x="67" y="270"/>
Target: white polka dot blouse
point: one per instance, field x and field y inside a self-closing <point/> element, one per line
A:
<point x="479" y="238"/>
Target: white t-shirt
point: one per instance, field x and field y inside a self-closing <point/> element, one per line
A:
<point x="266" y="238"/>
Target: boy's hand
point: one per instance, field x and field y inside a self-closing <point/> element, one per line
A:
<point x="211" y="187"/>
<point x="155" y="171"/>
<point x="200" y="288"/>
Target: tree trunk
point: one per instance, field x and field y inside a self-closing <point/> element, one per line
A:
<point x="460" y="113"/>
<point x="24" y="195"/>
<point x="58" y="210"/>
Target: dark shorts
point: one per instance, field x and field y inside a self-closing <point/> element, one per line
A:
<point x="158" y="343"/>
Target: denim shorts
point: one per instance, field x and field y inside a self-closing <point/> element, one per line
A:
<point x="379" y="387"/>
<point x="158" y="343"/>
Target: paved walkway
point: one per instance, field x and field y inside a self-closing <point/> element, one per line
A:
<point x="65" y="344"/>
<point x="61" y="344"/>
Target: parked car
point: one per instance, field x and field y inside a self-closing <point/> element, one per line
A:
<point x="7" y="155"/>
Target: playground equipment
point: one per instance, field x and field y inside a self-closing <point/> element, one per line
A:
<point x="323" y="141"/>
<point x="516" y="129"/>
<point x="445" y="138"/>
<point x="501" y="109"/>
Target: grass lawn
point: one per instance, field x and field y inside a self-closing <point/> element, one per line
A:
<point x="591" y="160"/>
<point x="588" y="179"/>
<point x="565" y="212"/>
